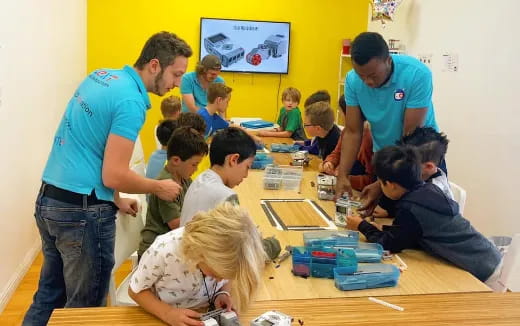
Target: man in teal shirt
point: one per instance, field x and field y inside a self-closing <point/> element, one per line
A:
<point x="194" y="85"/>
<point x="87" y="168"/>
<point x="392" y="92"/>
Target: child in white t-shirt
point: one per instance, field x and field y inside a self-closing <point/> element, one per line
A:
<point x="216" y="260"/>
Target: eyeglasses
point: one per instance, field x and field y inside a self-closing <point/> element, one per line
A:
<point x="308" y="125"/>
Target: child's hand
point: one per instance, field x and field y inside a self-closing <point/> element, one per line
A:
<point x="182" y="317"/>
<point x="377" y="226"/>
<point x="223" y="301"/>
<point x="379" y="212"/>
<point x="328" y="168"/>
<point x="127" y="206"/>
<point x="257" y="139"/>
<point x="353" y="222"/>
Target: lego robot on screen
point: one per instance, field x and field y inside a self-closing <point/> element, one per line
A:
<point x="219" y="44"/>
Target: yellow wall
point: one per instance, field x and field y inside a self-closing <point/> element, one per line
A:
<point x="117" y="30"/>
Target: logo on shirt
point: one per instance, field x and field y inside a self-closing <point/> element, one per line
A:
<point x="399" y="94"/>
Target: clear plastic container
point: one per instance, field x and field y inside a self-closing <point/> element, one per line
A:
<point x="367" y="276"/>
<point x="331" y="238"/>
<point x="321" y="261"/>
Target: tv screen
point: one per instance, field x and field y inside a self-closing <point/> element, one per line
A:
<point x="247" y="45"/>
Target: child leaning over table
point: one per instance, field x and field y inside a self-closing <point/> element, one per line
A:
<point x="216" y="260"/>
<point x="426" y="218"/>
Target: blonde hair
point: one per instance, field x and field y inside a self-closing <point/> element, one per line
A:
<point x="216" y="90"/>
<point x="170" y="106"/>
<point x="292" y="93"/>
<point x="226" y="239"/>
<point x="320" y="114"/>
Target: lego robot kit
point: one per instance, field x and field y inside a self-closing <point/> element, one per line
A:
<point x="220" y="317"/>
<point x="219" y="44"/>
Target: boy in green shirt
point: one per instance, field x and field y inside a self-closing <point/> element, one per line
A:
<point x="290" y="118"/>
<point x="186" y="148"/>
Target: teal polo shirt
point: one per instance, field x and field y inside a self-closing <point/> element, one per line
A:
<point x="190" y="85"/>
<point x="108" y="101"/>
<point x="410" y="87"/>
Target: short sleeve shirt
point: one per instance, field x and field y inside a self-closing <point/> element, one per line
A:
<point x="160" y="212"/>
<point x="214" y="122"/>
<point x="190" y="85"/>
<point x="162" y="269"/>
<point x="108" y="101"/>
<point x="292" y="121"/>
<point x="409" y="87"/>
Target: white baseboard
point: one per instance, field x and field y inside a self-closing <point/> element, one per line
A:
<point x="19" y="274"/>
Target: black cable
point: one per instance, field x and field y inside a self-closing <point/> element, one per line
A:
<point x="211" y="298"/>
<point x="278" y="97"/>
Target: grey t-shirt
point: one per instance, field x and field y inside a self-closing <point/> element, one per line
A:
<point x="205" y="193"/>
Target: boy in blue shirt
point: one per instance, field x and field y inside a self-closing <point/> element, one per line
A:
<point x="425" y="217"/>
<point x="218" y="101"/>
<point x="158" y="158"/>
<point x="311" y="145"/>
<point x="290" y="118"/>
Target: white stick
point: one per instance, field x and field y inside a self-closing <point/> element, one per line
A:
<point x="403" y="264"/>
<point x="386" y="304"/>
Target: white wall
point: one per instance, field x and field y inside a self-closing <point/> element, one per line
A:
<point x="477" y="106"/>
<point x="42" y="60"/>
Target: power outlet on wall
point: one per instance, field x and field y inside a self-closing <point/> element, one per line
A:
<point x="426" y="59"/>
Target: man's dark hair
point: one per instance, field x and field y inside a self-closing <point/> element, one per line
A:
<point x="185" y="143"/>
<point x="165" y="47"/>
<point x="165" y="130"/>
<point x="431" y="144"/>
<point x="342" y="104"/>
<point x="368" y="45"/>
<point x="231" y="141"/>
<point x="192" y="120"/>
<point x="319" y="96"/>
<point x="399" y="164"/>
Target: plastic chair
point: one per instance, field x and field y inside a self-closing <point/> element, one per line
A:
<point x="459" y="195"/>
<point x="510" y="273"/>
<point x="127" y="240"/>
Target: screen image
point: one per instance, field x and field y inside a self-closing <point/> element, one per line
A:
<point x="246" y="45"/>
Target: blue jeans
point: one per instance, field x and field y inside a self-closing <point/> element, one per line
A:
<point x="78" y="251"/>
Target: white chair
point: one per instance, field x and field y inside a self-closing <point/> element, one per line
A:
<point x="128" y="229"/>
<point x="459" y="195"/>
<point x="510" y="274"/>
<point x="138" y="153"/>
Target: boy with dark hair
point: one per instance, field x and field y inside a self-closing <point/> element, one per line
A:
<point x="192" y="120"/>
<point x="362" y="172"/>
<point x="290" y="118"/>
<point x="231" y="154"/>
<point x="319" y="123"/>
<point x="158" y="158"/>
<point x="186" y="149"/>
<point x="425" y="217"/>
<point x="318" y="96"/>
<point x="431" y="146"/>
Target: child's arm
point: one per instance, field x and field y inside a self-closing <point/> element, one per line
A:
<point x="404" y="233"/>
<point x="165" y="312"/>
<point x="269" y="133"/>
<point x="223" y="299"/>
<point x="170" y="213"/>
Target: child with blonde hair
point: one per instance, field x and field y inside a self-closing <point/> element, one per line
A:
<point x="290" y="118"/>
<point x="216" y="260"/>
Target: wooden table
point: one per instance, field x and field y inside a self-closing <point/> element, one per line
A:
<point x="439" y="309"/>
<point x="425" y="274"/>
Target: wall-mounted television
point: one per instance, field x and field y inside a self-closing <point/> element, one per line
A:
<point x="247" y="45"/>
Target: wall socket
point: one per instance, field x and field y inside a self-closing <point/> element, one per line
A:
<point x="426" y="59"/>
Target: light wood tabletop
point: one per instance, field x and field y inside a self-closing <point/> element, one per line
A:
<point x="438" y="309"/>
<point x="425" y="274"/>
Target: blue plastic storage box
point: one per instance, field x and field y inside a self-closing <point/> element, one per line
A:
<point x="367" y="276"/>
